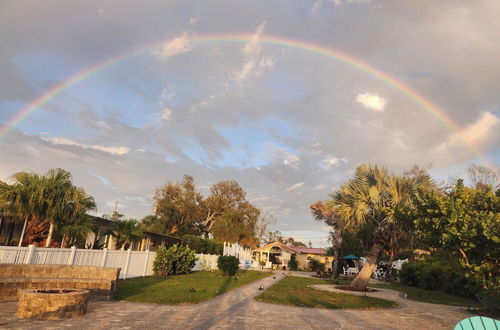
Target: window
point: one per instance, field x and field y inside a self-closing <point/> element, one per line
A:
<point x="309" y="258"/>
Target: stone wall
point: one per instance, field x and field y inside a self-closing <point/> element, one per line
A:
<point x="100" y="281"/>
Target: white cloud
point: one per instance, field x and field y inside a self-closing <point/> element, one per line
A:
<point x="474" y="133"/>
<point x="255" y="64"/>
<point x="291" y="160"/>
<point x="178" y="45"/>
<point x="331" y="161"/>
<point x="166" y="114"/>
<point x="320" y="187"/>
<point x="295" y="186"/>
<point x="68" y="142"/>
<point x="371" y="101"/>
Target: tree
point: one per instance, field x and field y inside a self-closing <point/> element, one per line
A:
<point x="73" y="230"/>
<point x="374" y="197"/>
<point x="464" y="221"/>
<point x="262" y="225"/>
<point x="125" y="232"/>
<point x="154" y="224"/>
<point x="227" y="196"/>
<point x="180" y="206"/>
<point x="45" y="200"/>
<point x="325" y="212"/>
<point x="482" y="176"/>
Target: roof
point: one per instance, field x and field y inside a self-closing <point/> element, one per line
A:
<point x="292" y="249"/>
<point x="309" y="250"/>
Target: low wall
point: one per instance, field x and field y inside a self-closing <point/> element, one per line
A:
<point x="100" y="281"/>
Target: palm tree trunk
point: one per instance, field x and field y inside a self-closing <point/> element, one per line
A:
<point x="22" y="233"/>
<point x="336" y="263"/>
<point x="49" y="237"/>
<point x="379" y="243"/>
<point x="63" y="241"/>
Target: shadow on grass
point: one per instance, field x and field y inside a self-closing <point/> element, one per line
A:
<point x="136" y="286"/>
<point x="225" y="285"/>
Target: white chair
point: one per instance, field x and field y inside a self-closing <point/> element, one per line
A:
<point x="353" y="270"/>
<point x="346" y="272"/>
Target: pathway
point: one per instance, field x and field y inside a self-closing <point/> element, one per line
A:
<point x="237" y="310"/>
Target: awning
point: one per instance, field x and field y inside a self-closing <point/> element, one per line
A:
<point x="350" y="257"/>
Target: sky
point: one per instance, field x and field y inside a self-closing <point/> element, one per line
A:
<point x="288" y="123"/>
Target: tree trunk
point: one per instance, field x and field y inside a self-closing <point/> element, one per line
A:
<point x="336" y="263"/>
<point x="63" y="241"/>
<point x="379" y="242"/>
<point x="49" y="237"/>
<point x="22" y="233"/>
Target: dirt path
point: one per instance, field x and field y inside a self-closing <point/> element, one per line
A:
<point x="237" y="310"/>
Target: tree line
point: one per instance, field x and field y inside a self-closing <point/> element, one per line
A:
<point x="383" y="213"/>
<point x="55" y="212"/>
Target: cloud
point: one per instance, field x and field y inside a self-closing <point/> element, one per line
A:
<point x="178" y="45"/>
<point x="103" y="180"/>
<point x="166" y="114"/>
<point x="371" y="101"/>
<point x="255" y="64"/>
<point x="476" y="132"/>
<point x="111" y="150"/>
<point x="321" y="186"/>
<point x="295" y="186"/>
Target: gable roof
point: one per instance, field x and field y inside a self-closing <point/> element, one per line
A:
<point x="309" y="250"/>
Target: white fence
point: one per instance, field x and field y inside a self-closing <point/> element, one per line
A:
<point x="132" y="263"/>
<point x="234" y="249"/>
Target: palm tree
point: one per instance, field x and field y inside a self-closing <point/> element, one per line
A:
<point x="125" y="232"/>
<point x="375" y="197"/>
<point x="48" y="198"/>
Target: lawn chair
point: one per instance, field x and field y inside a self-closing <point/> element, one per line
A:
<point x="346" y="272"/>
<point x="353" y="270"/>
<point x="477" y="323"/>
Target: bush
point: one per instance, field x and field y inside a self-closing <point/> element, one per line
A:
<point x="292" y="264"/>
<point x="437" y="275"/>
<point x="173" y="261"/>
<point x="316" y="266"/>
<point x="229" y="265"/>
<point x="203" y="245"/>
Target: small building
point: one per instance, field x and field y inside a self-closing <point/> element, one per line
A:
<point x="11" y="229"/>
<point x="278" y="255"/>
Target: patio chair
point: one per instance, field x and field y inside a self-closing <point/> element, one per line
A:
<point x="353" y="271"/>
<point x="346" y="272"/>
<point x="477" y="323"/>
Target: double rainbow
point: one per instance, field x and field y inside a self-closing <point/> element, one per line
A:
<point x="330" y="53"/>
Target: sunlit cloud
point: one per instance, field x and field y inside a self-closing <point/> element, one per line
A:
<point x="69" y="142"/>
<point x="371" y="101"/>
<point x="178" y="45"/>
<point x="295" y="186"/>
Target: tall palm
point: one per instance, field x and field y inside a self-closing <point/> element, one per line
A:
<point x="48" y="198"/>
<point x="375" y="197"/>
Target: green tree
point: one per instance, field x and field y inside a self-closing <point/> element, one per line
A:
<point x="180" y="206"/>
<point x="465" y="221"/>
<point x="125" y="232"/>
<point x="45" y="199"/>
<point x="374" y="197"/>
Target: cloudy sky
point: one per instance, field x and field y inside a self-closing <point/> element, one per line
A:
<point x="289" y="124"/>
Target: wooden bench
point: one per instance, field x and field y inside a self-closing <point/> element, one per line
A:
<point x="100" y="281"/>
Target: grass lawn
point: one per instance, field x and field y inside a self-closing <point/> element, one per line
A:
<point x="294" y="291"/>
<point x="183" y="289"/>
<point x="434" y="297"/>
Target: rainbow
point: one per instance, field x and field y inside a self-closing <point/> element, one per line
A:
<point x="330" y="53"/>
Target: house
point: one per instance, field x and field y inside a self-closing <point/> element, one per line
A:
<point x="11" y="230"/>
<point x="278" y="255"/>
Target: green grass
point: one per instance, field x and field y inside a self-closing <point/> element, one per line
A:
<point x="428" y="296"/>
<point x="178" y="289"/>
<point x="295" y="291"/>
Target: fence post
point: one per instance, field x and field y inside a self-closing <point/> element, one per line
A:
<point x="29" y="256"/>
<point x="104" y="255"/>
<point x="146" y="262"/>
<point x="127" y="260"/>
<point x="72" y="255"/>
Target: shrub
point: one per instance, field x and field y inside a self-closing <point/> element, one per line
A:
<point x="173" y="261"/>
<point x="292" y="264"/>
<point x="438" y="275"/>
<point x="229" y="265"/>
<point x="203" y="245"/>
<point x="316" y="266"/>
